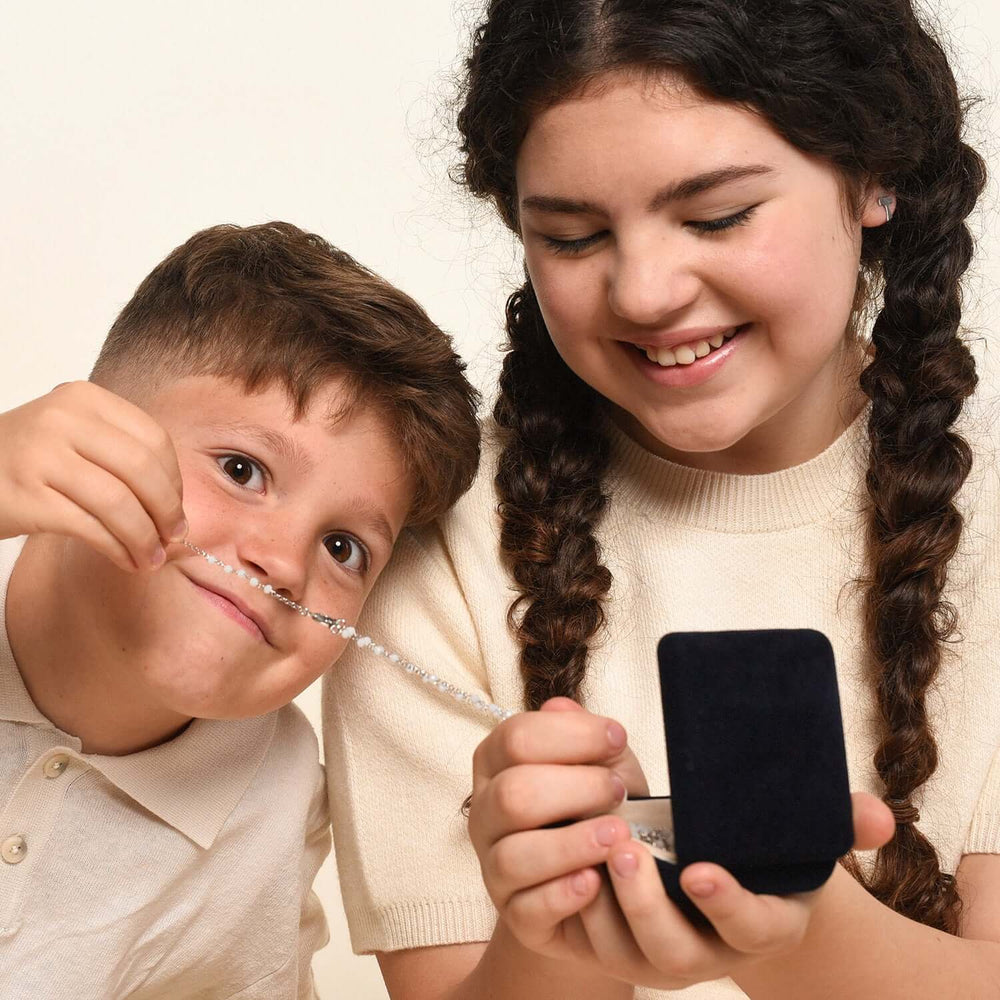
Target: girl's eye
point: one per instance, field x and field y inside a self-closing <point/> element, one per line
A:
<point x="572" y="246"/>
<point x="243" y="471"/>
<point x="729" y="222"/>
<point x="348" y="551"/>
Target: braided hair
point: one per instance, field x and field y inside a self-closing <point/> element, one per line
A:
<point x="899" y="123"/>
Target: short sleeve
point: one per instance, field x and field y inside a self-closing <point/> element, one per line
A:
<point x="984" y="833"/>
<point x="399" y="760"/>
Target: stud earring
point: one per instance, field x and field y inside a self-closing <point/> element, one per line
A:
<point x="888" y="203"/>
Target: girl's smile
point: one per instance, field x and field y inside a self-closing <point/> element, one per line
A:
<point x="695" y="269"/>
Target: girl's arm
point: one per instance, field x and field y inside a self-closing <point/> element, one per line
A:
<point x="496" y="970"/>
<point x="856" y="947"/>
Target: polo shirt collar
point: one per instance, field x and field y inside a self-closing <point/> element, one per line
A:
<point x="192" y="782"/>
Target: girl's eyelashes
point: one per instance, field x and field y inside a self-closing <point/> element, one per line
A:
<point x="728" y="222"/>
<point x="349" y="551"/>
<point x="740" y="218"/>
<point x="243" y="471"/>
<point x="573" y="246"/>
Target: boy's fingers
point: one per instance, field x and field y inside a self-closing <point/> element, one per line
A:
<point x="551" y="737"/>
<point x="78" y="523"/>
<point x="531" y="796"/>
<point x="113" y="505"/>
<point x="89" y="406"/>
<point x="751" y="924"/>
<point x="535" y="914"/>
<point x="130" y="461"/>
<point x="536" y="856"/>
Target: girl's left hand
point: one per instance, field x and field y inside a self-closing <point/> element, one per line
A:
<point x="633" y="932"/>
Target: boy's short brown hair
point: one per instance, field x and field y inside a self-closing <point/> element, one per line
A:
<point x="271" y="303"/>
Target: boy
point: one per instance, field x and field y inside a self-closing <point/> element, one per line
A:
<point x="162" y="812"/>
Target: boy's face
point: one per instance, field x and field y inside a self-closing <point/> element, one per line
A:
<point x="311" y="506"/>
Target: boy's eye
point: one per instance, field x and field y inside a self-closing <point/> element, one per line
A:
<point x="348" y="551"/>
<point x="243" y="471"/>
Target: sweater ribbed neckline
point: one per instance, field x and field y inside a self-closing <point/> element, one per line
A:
<point x="741" y="504"/>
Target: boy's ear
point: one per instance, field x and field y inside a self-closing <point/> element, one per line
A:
<point x="879" y="206"/>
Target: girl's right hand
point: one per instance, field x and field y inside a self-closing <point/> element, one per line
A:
<point x="538" y="768"/>
<point x="83" y="462"/>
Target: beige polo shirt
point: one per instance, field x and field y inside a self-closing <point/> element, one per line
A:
<point x="180" y="872"/>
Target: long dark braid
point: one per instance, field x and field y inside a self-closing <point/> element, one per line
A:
<point x="862" y="84"/>
<point x="549" y="482"/>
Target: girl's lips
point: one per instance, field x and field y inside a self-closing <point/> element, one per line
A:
<point x="230" y="610"/>
<point x="683" y="376"/>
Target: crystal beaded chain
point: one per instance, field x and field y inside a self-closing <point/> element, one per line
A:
<point x="652" y="836"/>
<point x="338" y="626"/>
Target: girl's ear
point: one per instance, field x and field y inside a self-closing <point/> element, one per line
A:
<point x="879" y="207"/>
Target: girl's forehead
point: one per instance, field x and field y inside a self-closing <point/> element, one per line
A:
<point x="628" y="124"/>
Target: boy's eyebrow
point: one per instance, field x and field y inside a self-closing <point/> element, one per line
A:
<point x="277" y="442"/>
<point x="371" y="515"/>
<point x="678" y="191"/>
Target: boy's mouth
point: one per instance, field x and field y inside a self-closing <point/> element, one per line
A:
<point x="236" y="610"/>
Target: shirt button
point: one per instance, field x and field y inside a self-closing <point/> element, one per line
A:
<point x="13" y="849"/>
<point x="55" y="765"/>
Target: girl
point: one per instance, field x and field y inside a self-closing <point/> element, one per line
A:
<point x="733" y="398"/>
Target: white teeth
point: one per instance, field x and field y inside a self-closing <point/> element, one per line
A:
<point x="686" y="354"/>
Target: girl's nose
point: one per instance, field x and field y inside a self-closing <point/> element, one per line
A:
<point x="649" y="285"/>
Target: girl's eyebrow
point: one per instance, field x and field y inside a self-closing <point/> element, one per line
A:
<point x="678" y="191"/>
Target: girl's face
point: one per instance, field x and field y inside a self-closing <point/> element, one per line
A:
<point x="695" y="269"/>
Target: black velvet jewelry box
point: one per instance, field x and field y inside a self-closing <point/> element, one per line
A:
<point x="755" y="752"/>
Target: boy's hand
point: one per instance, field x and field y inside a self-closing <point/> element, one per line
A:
<point x="83" y="462"/>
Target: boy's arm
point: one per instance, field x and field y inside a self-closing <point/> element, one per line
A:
<point x="83" y="462"/>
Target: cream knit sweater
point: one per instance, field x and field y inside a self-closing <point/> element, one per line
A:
<point x="689" y="551"/>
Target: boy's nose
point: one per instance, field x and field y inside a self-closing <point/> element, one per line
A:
<point x="276" y="558"/>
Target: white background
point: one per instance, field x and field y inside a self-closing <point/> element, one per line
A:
<point x="125" y="127"/>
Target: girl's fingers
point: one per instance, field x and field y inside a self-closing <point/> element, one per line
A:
<point x="551" y="737"/>
<point x="530" y="796"/>
<point x="530" y="858"/>
<point x="873" y="822"/>
<point x="535" y="915"/>
<point x="748" y="923"/>
<point x="609" y="937"/>
<point x="665" y="937"/>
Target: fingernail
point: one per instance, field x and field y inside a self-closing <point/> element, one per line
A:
<point x="607" y="833"/>
<point x="159" y="557"/>
<point x="617" y="736"/>
<point x="701" y="889"/>
<point x="625" y="865"/>
<point x="580" y="883"/>
<point x="180" y="532"/>
<point x="620" y="791"/>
